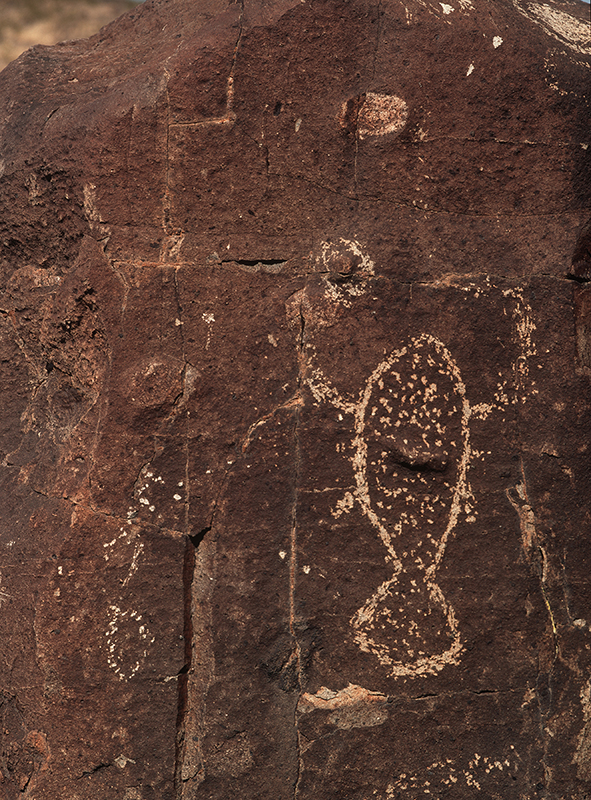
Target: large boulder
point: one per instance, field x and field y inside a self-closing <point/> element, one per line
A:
<point x="295" y="363"/>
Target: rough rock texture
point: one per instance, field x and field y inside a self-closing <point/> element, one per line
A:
<point x="295" y="372"/>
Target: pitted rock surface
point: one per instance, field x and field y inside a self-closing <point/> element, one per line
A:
<point x="295" y="360"/>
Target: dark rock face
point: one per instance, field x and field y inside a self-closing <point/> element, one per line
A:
<point x="295" y="374"/>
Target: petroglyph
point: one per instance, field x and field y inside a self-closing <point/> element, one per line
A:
<point x="122" y="628"/>
<point x="524" y="328"/>
<point x="92" y="213"/>
<point x="557" y="24"/>
<point x="411" y="453"/>
<point x="381" y="114"/>
<point x="125" y="625"/>
<point x="373" y="114"/>
<point x="527" y="518"/>
<point x="125" y="539"/>
<point x="351" y="707"/>
<point x="480" y="773"/>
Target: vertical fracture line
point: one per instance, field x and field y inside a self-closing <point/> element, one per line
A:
<point x="166" y="202"/>
<point x="378" y="32"/>
<point x="293" y="556"/>
<point x="183" y="708"/>
<point x="355" y="188"/>
<point x="293" y="563"/>
<point x="293" y="544"/>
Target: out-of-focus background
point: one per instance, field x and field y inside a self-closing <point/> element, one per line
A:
<point x="24" y="23"/>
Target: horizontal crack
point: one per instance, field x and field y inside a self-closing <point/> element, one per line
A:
<point x="254" y="262"/>
<point x="94" y="770"/>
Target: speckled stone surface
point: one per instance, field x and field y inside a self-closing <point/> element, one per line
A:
<point x="294" y="364"/>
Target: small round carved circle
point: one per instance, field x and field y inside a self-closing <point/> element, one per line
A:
<point x="373" y="114"/>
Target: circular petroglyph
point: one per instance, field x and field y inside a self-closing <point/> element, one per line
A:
<point x="373" y="114"/>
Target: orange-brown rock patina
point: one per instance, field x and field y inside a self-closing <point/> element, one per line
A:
<point x="295" y="404"/>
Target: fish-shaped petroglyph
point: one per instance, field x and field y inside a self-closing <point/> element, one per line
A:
<point x="411" y="453"/>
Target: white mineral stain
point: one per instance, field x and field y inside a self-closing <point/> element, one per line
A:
<point x="306" y="569"/>
<point x="446" y="9"/>
<point x="497" y="42"/>
<point x="282" y="555"/>
<point x="470" y="70"/>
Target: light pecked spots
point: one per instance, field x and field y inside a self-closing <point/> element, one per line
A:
<point x="209" y="320"/>
<point x="479" y="772"/>
<point x="124" y="629"/>
<point x="373" y="114"/>
<point x="146" y="481"/>
<point x="411" y="453"/>
<point x="381" y="114"/>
